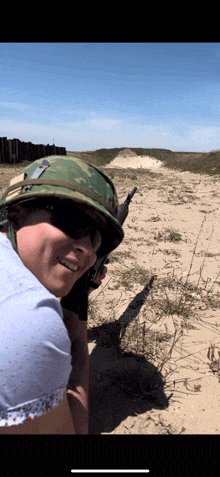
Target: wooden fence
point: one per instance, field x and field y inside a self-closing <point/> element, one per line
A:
<point x="13" y="151"/>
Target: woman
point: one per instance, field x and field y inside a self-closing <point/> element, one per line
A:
<point x="58" y="216"/>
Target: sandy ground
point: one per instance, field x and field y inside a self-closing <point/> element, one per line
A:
<point x="189" y="402"/>
<point x="127" y="159"/>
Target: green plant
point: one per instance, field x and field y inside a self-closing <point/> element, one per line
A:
<point x="174" y="236"/>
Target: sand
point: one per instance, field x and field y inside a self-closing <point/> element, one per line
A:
<point x="189" y="204"/>
<point x="126" y="159"/>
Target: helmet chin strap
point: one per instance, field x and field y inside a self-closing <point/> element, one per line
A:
<point x="11" y="235"/>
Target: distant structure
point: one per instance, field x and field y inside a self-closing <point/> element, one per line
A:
<point x="13" y="151"/>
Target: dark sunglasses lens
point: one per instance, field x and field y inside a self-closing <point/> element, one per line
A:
<point x="80" y="233"/>
<point x="74" y="223"/>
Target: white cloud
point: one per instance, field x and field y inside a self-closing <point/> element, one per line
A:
<point x="35" y="133"/>
<point x="17" y="106"/>
<point x="80" y="138"/>
<point x="89" y="134"/>
<point x="205" y="135"/>
<point x="103" y="123"/>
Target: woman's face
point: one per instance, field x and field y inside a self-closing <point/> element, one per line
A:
<point x="47" y="252"/>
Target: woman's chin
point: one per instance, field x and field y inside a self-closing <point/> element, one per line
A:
<point x="60" y="291"/>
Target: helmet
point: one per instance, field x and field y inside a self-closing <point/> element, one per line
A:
<point x="67" y="180"/>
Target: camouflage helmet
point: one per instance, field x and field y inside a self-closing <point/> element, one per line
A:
<point x="67" y="180"/>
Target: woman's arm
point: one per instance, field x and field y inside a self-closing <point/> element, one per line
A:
<point x="56" y="421"/>
<point x="78" y="385"/>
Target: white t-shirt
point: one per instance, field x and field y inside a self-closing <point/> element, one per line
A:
<point x="35" y="359"/>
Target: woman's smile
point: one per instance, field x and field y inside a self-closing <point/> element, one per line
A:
<point x="56" y="259"/>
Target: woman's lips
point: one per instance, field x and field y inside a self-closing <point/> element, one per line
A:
<point x="68" y="264"/>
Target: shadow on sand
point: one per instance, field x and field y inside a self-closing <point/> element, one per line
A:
<point x="121" y="384"/>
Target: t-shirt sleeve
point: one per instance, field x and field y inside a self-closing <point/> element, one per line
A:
<point x="35" y="359"/>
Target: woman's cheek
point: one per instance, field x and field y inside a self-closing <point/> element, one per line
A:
<point x="92" y="260"/>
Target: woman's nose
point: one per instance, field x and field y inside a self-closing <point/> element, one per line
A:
<point x="85" y="252"/>
<point x="83" y="245"/>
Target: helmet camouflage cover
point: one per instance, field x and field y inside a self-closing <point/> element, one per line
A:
<point x="66" y="179"/>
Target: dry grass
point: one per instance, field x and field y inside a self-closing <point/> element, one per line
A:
<point x="164" y="317"/>
<point x="160" y="322"/>
<point x="203" y="163"/>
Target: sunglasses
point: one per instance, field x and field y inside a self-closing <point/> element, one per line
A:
<point x="76" y="224"/>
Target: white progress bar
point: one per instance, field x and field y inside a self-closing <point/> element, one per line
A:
<point x="112" y="471"/>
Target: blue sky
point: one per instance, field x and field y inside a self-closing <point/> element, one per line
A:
<point x="87" y="96"/>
